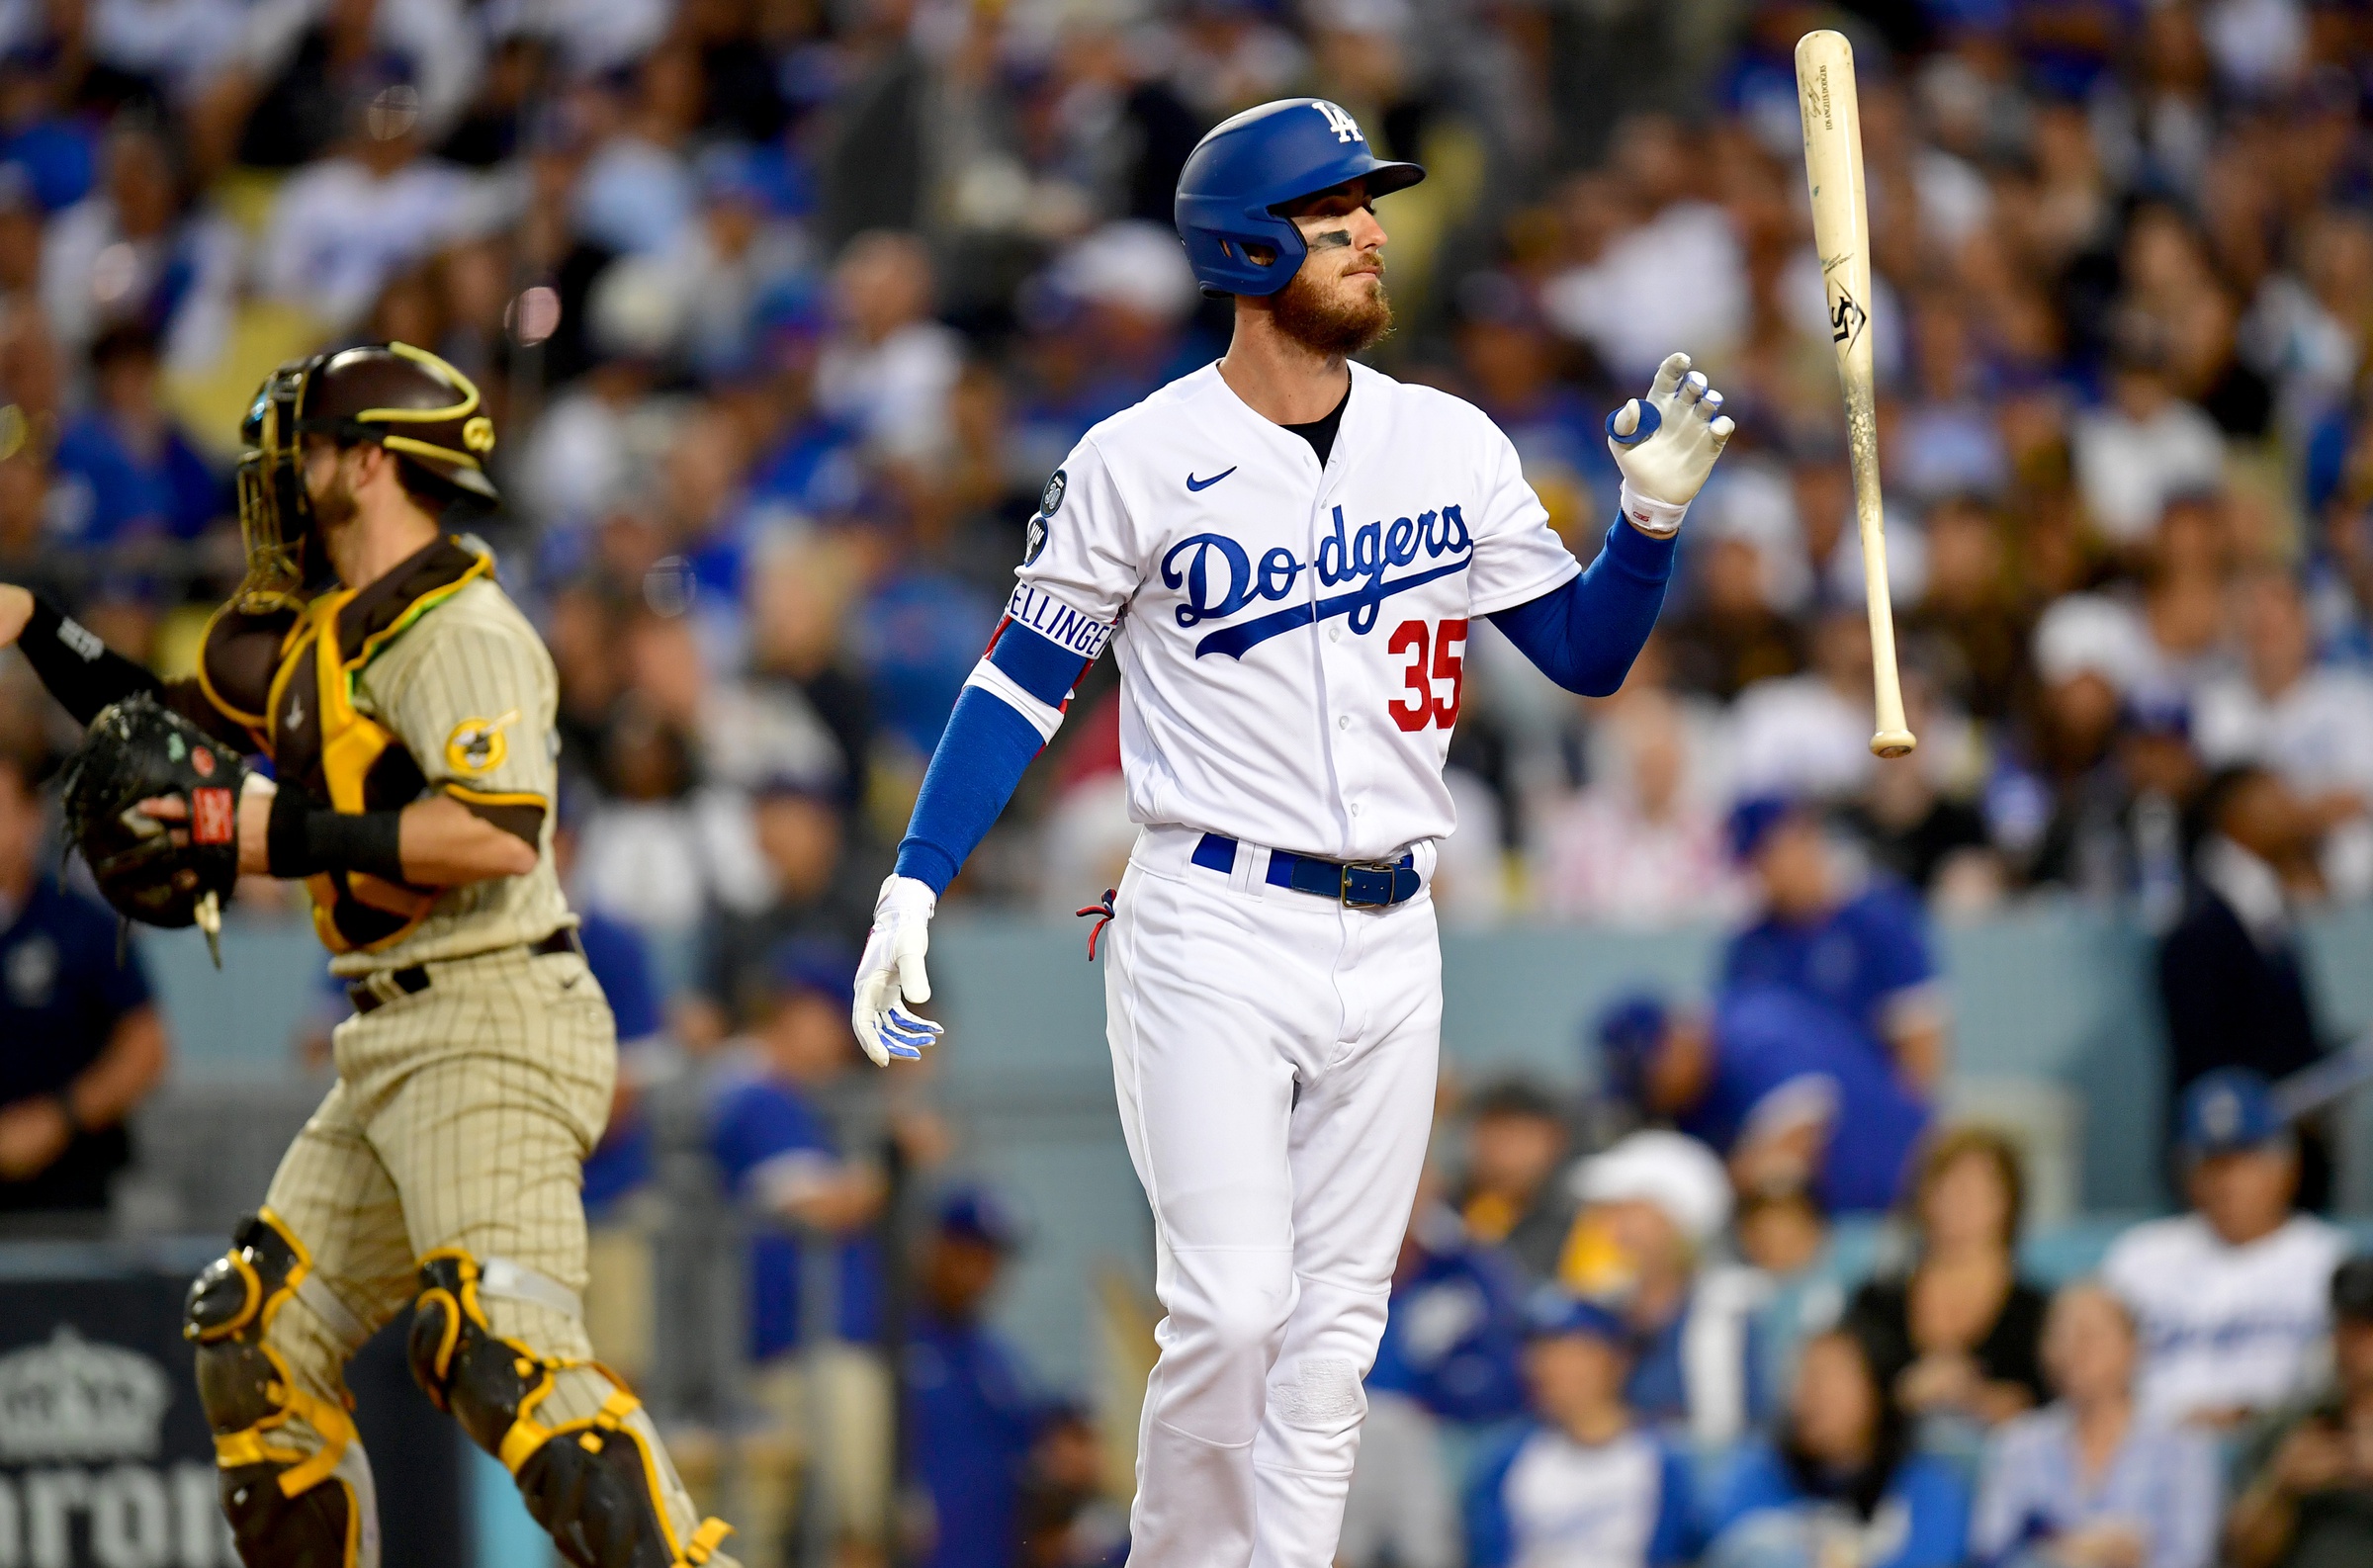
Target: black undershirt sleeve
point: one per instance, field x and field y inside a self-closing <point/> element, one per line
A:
<point x="81" y="672"/>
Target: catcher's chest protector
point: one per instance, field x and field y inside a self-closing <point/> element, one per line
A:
<point x="289" y="675"/>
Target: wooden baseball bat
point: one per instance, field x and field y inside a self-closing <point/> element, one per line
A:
<point x="1841" y="232"/>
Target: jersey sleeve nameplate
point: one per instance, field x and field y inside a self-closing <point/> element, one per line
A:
<point x="1058" y="623"/>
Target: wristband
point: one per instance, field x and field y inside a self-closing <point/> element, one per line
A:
<point x="303" y="840"/>
<point x="1658" y="519"/>
<point x="50" y="624"/>
<point x="76" y="666"/>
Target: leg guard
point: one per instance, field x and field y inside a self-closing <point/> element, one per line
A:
<point x="294" y="1485"/>
<point x="593" y="1483"/>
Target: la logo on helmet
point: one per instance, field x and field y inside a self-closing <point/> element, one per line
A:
<point x="1345" y="129"/>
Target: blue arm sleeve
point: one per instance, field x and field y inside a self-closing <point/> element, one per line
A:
<point x="1585" y="633"/>
<point x="981" y="756"/>
<point x="977" y="762"/>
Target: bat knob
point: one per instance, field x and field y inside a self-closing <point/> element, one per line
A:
<point x="1892" y="743"/>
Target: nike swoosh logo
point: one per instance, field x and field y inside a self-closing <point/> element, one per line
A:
<point x="1195" y="484"/>
<point x="1238" y="640"/>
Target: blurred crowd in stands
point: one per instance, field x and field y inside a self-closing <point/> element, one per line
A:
<point x="1657" y="1355"/>
<point x="786" y="309"/>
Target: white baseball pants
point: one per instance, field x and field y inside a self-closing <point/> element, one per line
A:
<point x="1274" y="1054"/>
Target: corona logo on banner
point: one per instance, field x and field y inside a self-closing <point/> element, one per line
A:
<point x="70" y="1399"/>
<point x="86" y="1477"/>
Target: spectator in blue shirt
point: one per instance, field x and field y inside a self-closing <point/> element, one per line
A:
<point x="619" y="1288"/>
<point x="819" y="1374"/>
<point x="1449" y="1360"/>
<point x="1453" y="1332"/>
<point x="620" y="959"/>
<point x="1769" y="1083"/>
<point x="57" y="149"/>
<point x="1862" y="950"/>
<point x="970" y="1415"/>
<point x="80" y="1041"/>
<point x="2089" y="1479"/>
<point x="776" y="1153"/>
<point x="621" y="963"/>
<point x="1582" y="1485"/>
<point x="1843" y="1483"/>
<point x="143" y="475"/>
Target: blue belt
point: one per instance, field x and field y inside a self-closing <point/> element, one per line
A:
<point x="1355" y="885"/>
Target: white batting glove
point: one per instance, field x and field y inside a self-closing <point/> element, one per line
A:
<point x="892" y="968"/>
<point x="1666" y="445"/>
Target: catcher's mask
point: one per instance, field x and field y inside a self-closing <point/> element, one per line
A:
<point x="397" y="397"/>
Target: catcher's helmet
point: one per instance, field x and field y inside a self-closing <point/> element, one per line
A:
<point x="1259" y="160"/>
<point x="401" y="397"/>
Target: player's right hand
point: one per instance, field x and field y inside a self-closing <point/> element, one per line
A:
<point x="892" y="971"/>
<point x="16" y="609"/>
<point x="1666" y="443"/>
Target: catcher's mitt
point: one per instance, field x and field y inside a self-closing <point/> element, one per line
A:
<point x="162" y="873"/>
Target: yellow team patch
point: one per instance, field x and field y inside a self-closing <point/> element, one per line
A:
<point x="476" y="746"/>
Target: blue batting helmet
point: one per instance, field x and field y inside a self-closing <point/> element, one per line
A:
<point x="1261" y="159"/>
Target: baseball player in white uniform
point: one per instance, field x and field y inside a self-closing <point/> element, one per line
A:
<point x="1286" y="550"/>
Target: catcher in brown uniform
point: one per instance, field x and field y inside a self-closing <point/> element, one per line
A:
<point x="408" y="707"/>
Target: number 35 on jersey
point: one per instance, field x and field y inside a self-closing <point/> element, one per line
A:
<point x="1434" y="664"/>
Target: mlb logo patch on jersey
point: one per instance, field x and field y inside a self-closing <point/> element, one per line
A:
<point x="212" y="819"/>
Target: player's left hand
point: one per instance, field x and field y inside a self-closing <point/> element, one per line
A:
<point x="892" y="968"/>
<point x="1666" y="443"/>
<point x="254" y="822"/>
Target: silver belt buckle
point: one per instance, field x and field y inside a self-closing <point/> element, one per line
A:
<point x="1384" y="869"/>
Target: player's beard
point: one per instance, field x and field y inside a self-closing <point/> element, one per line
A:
<point x="1341" y="319"/>
<point x="336" y="506"/>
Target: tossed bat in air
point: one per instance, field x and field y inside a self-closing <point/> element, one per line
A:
<point x="1841" y="232"/>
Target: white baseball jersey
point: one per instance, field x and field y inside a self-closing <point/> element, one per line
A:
<point x="2225" y="1326"/>
<point x="1290" y="639"/>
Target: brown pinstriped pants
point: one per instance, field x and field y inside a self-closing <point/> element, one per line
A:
<point x="461" y="1118"/>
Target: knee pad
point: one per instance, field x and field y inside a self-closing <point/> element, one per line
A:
<point x="592" y="1484"/>
<point x="272" y="1489"/>
<point x="229" y="1306"/>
